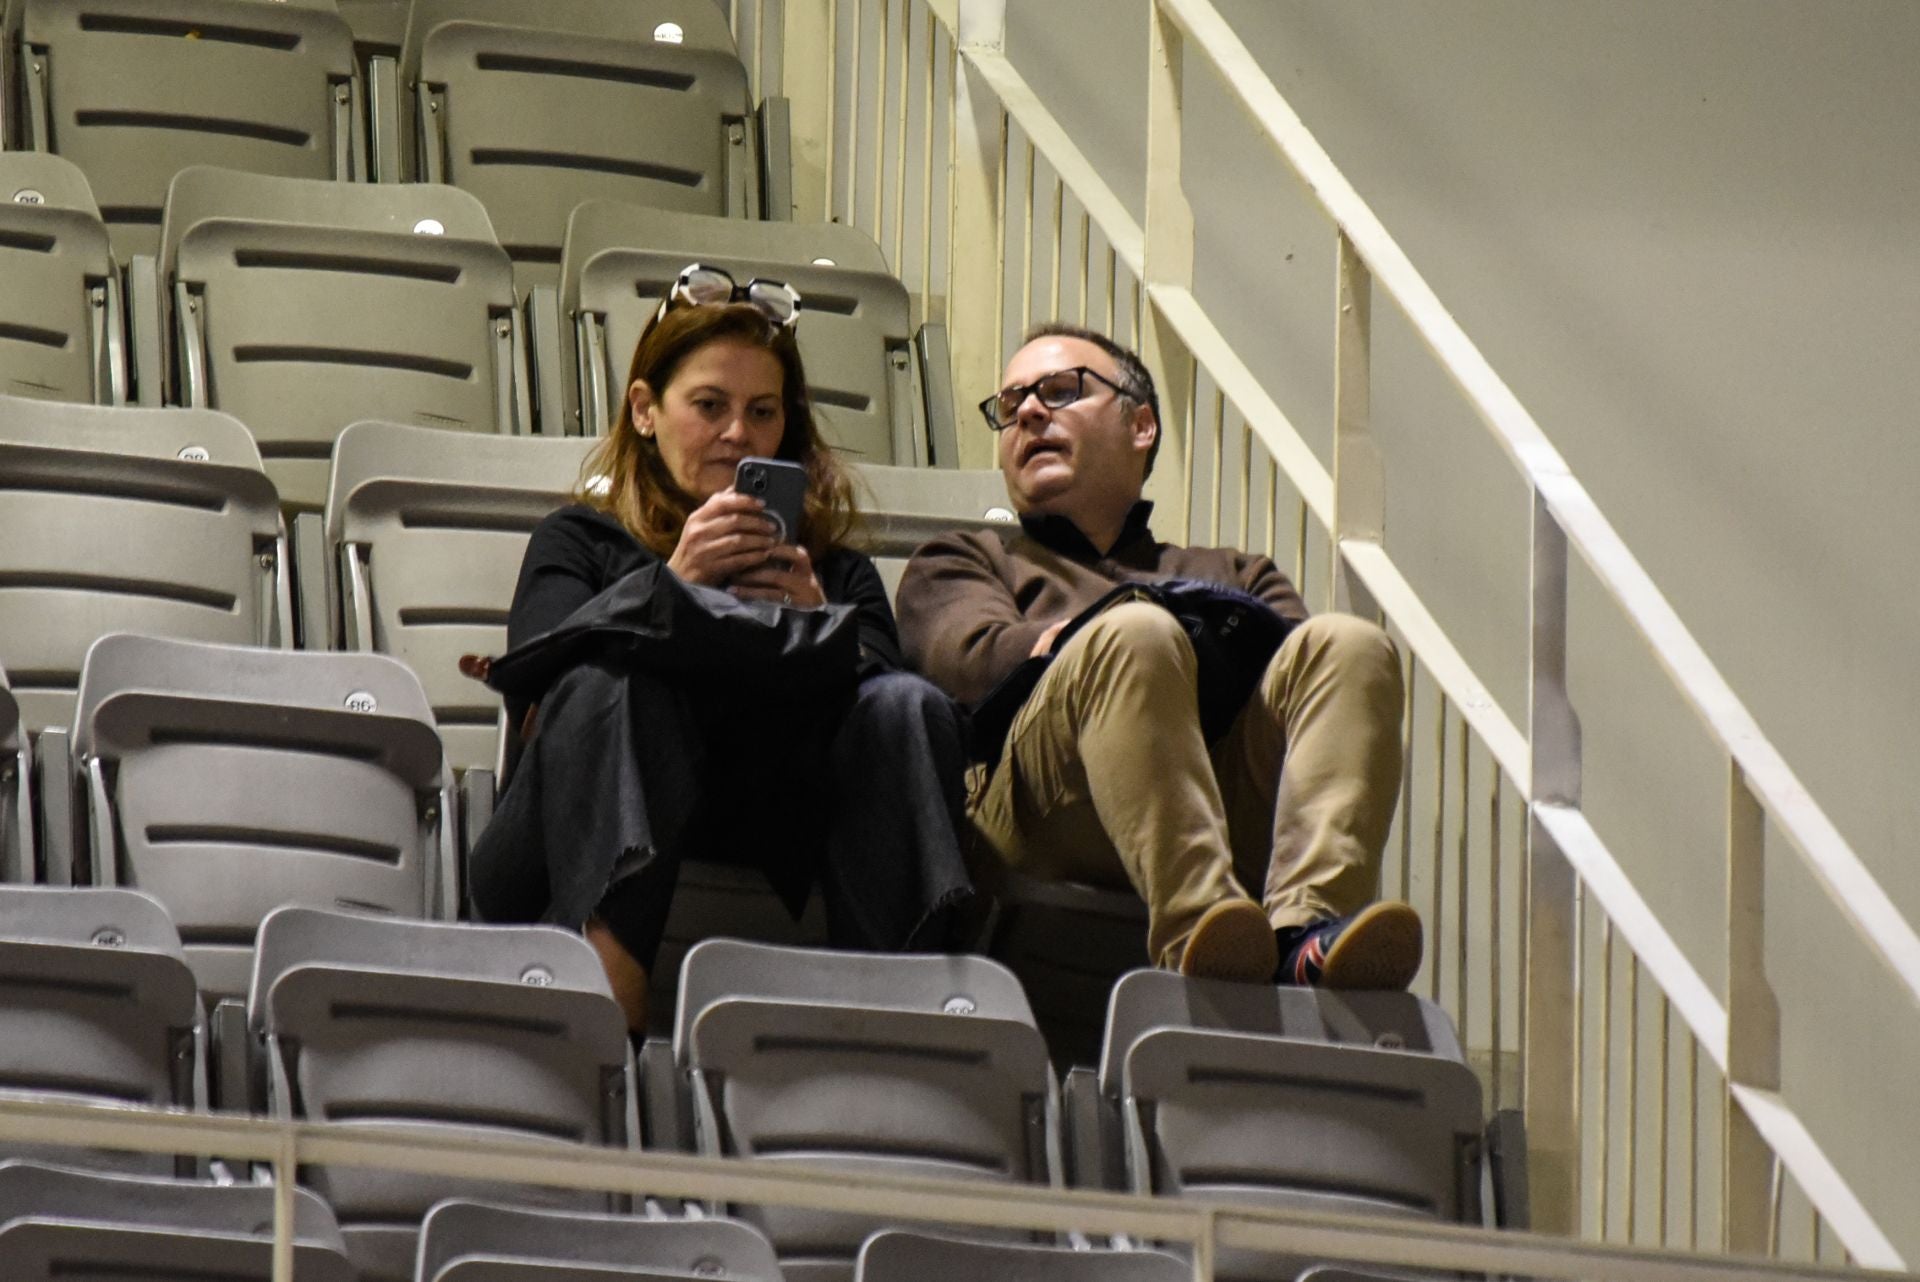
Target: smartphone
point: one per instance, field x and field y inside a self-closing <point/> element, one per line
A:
<point x="782" y="486"/>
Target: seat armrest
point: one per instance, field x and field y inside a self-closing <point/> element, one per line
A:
<point x="936" y="385"/>
<point x="1507" y="1165"/>
<point x="543" y="344"/>
<point x="776" y="159"/>
<point x="476" y="810"/>
<point x="144" y="323"/>
<point x="313" y="597"/>
<point x="231" y="1085"/>
<point x="59" y="815"/>
<point x="1093" y="1134"/>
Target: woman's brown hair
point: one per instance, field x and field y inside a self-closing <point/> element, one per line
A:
<point x="627" y="478"/>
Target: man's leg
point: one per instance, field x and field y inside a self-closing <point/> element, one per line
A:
<point x="1105" y="778"/>
<point x="1311" y="773"/>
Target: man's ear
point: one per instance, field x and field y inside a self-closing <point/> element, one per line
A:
<point x="640" y="403"/>
<point x="1145" y="428"/>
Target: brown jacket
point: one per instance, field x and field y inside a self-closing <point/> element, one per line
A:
<point x="971" y="606"/>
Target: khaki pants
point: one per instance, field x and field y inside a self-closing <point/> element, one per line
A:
<point x="1107" y="779"/>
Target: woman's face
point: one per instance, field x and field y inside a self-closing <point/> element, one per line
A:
<point x="722" y="405"/>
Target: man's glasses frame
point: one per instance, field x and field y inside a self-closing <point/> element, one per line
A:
<point x="700" y="285"/>
<point x="1056" y="391"/>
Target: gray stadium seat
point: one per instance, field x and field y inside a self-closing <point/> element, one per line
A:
<point x="1354" y="1103"/>
<point x="903" y="507"/>
<point x="428" y="529"/>
<point x="304" y="306"/>
<point x="97" y="1004"/>
<point x="145" y="520"/>
<point x="881" y="1064"/>
<point x="133" y="91"/>
<point x="61" y="319"/>
<point x="59" y="1224"/>
<point x="537" y="108"/>
<point x="920" y="1257"/>
<point x="485" y="1032"/>
<point x="16" y="792"/>
<point x="864" y="364"/>
<point x="480" y="1242"/>
<point x="227" y="780"/>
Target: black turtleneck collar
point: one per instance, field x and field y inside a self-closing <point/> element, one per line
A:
<point x="1063" y="536"/>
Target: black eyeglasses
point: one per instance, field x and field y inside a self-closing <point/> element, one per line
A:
<point x="700" y="285"/>
<point x="1056" y="391"/>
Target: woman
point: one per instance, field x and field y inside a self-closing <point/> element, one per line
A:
<point x="780" y="733"/>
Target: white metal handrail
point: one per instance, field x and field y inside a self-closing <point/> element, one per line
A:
<point x="285" y="1146"/>
<point x="1741" y="1034"/>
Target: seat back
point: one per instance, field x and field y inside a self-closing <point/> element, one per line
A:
<point x="903" y="507"/>
<point x="478" y="1242"/>
<point x="96" y="1003"/>
<point x="921" y="1257"/>
<point x="537" y="108"/>
<point x="429" y="529"/>
<point x="228" y="780"/>
<point x="1144" y="1000"/>
<point x="478" y="1031"/>
<point x="1279" y="1121"/>
<point x="143" y="520"/>
<point x="61" y="1223"/>
<point x="854" y="329"/>
<point x="60" y="314"/>
<point x="133" y="93"/>
<point x="304" y="306"/>
<point x="888" y="1065"/>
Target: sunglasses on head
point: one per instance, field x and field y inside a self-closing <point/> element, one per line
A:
<point x="1056" y="391"/>
<point x="699" y="285"/>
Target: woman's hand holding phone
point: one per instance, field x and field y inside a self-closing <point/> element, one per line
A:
<point x="726" y="536"/>
<point x="785" y="577"/>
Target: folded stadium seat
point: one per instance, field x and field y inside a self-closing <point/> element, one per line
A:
<point x="97" y="1004"/>
<point x="891" y="1065"/>
<point x="303" y="306"/>
<point x="60" y="1224"/>
<point x="903" y="507"/>
<point x="17" y="862"/>
<point x="227" y="780"/>
<point x="1296" y="1098"/>
<point x="135" y="90"/>
<point x="535" y="108"/>
<point x="61" y="319"/>
<point x="427" y="530"/>
<point x="497" y="1033"/>
<point x="894" y="1256"/>
<point x="876" y="383"/>
<point x="481" y="1242"/>
<point x="145" y="520"/>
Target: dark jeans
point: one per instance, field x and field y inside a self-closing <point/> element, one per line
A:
<point x="629" y="775"/>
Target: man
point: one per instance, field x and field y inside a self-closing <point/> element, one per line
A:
<point x="1105" y="775"/>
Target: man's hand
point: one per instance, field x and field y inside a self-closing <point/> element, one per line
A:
<point x="1044" y="645"/>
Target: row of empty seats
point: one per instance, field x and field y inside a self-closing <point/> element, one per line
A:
<point x="886" y="1066"/>
<point x="60" y="1223"/>
<point x="302" y="306"/>
<point x="533" y="108"/>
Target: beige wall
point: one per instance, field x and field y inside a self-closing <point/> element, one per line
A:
<point x="1688" y="234"/>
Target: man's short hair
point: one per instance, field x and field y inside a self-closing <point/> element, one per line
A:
<point x="1135" y="380"/>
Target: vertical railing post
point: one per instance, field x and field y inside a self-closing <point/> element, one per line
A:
<point x="807" y="47"/>
<point x="1167" y="261"/>
<point x="1552" y="1071"/>
<point x="976" y="247"/>
<point x="1753" y="1025"/>
<point x="1359" y="481"/>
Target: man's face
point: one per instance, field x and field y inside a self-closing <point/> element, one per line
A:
<point x="1087" y="458"/>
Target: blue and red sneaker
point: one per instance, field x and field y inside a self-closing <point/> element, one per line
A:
<point x="1378" y="947"/>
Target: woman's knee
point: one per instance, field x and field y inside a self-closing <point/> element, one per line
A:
<point x="901" y="699"/>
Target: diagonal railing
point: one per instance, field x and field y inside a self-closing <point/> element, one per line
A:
<point x="932" y="139"/>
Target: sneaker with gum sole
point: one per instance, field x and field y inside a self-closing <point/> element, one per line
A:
<point x="1233" y="940"/>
